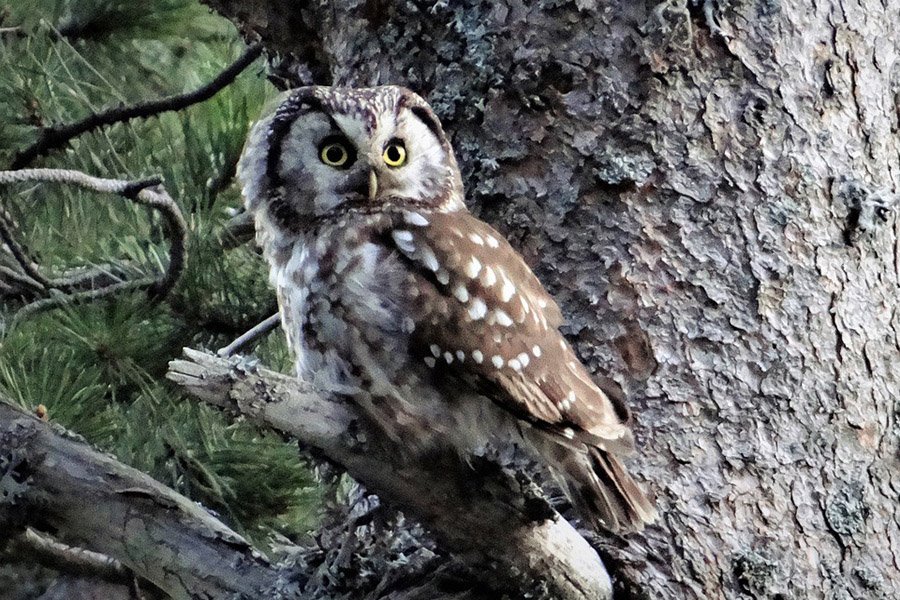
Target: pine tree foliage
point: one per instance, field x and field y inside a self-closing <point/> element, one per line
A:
<point x="99" y="367"/>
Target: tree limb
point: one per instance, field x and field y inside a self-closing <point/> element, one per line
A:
<point x="57" y="136"/>
<point x="52" y="480"/>
<point x="493" y="522"/>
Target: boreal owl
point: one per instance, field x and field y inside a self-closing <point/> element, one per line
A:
<point x="388" y="286"/>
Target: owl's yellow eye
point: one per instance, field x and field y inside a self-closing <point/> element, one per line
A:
<point x="394" y="154"/>
<point x="334" y="154"/>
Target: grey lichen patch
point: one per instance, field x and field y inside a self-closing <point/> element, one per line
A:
<point x="863" y="208"/>
<point x="14" y="474"/>
<point x="16" y="466"/>
<point x="756" y="574"/>
<point x="846" y="509"/>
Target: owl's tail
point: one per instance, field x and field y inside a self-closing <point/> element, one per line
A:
<point x="603" y="493"/>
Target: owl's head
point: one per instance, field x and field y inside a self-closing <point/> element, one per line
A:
<point x="325" y="147"/>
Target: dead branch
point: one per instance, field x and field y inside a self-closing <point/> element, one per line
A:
<point x="239" y="230"/>
<point x="83" y="286"/>
<point x="495" y="523"/>
<point x="54" y="481"/>
<point x="18" y="252"/>
<point x="250" y="336"/>
<point x="40" y="548"/>
<point x="57" y="136"/>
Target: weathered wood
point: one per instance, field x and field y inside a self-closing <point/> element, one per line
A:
<point x="54" y="481"/>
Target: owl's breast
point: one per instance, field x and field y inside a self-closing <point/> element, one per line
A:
<point x="343" y="298"/>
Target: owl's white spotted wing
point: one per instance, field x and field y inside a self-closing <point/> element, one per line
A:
<point x="481" y="312"/>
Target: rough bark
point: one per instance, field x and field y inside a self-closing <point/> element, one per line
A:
<point x="707" y="188"/>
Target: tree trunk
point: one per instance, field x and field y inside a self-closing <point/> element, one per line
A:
<point x="707" y="189"/>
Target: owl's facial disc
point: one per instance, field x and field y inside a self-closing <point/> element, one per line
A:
<point x="404" y="157"/>
<point x="323" y="148"/>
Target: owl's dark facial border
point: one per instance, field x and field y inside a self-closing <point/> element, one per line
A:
<point x="289" y="111"/>
<point x="431" y="122"/>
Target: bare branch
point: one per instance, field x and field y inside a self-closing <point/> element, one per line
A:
<point x="148" y="193"/>
<point x="54" y="481"/>
<point x="58" y="135"/>
<point x="249" y="337"/>
<point x="239" y="230"/>
<point x="496" y="523"/>
<point x="18" y="252"/>
<point x="68" y="559"/>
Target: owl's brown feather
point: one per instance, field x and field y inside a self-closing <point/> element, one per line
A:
<point x="480" y="311"/>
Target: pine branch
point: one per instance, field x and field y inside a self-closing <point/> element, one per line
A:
<point x="58" y="136"/>
<point x="148" y="192"/>
<point x="494" y="522"/>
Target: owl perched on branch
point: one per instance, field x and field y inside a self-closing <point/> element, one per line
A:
<point x="387" y="285"/>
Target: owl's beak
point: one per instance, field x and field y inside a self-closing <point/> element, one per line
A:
<point x="373" y="185"/>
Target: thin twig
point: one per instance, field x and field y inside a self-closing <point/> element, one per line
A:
<point x="67" y="559"/>
<point x="61" y="298"/>
<point x="238" y="230"/>
<point x="147" y="192"/>
<point x="58" y="136"/>
<point x="22" y="279"/>
<point x="18" y="252"/>
<point x="253" y="334"/>
<point x="82" y="278"/>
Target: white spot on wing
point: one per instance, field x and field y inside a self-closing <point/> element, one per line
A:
<point x="477" y="309"/>
<point x="497" y="361"/>
<point x="489" y="278"/>
<point x="429" y="259"/>
<point x="435" y="349"/>
<point x="507" y="291"/>
<point x="429" y="361"/>
<point x="515" y="365"/>
<point x="476" y="239"/>
<point x="524" y="359"/>
<point x="404" y="240"/>
<point x="492" y="241"/>
<point x="461" y="293"/>
<point x="503" y="318"/>
<point x="570" y="397"/>
<point x="460" y="355"/>
<point x="473" y="267"/>
<point x="414" y="218"/>
<point x="448" y="357"/>
<point x="477" y="356"/>
<point x="443" y="276"/>
<point x="536" y="350"/>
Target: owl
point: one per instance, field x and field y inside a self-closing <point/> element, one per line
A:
<point x="389" y="287"/>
